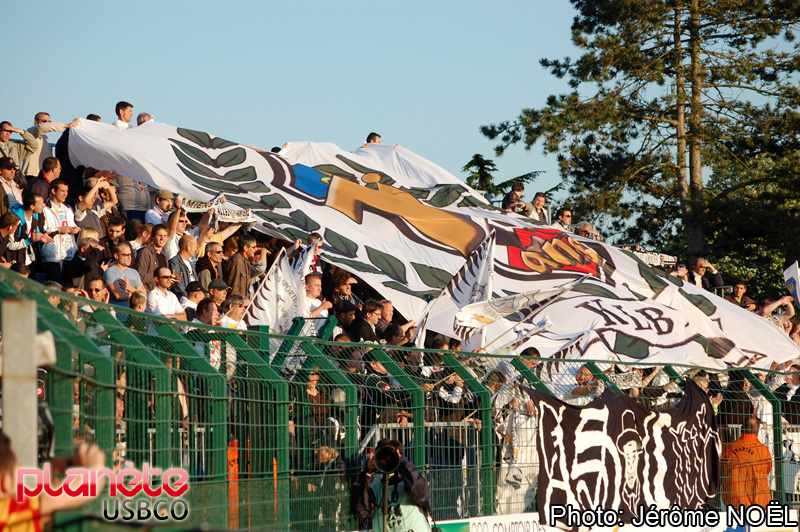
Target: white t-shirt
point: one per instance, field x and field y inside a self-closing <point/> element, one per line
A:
<point x="162" y="304"/>
<point x="119" y="124"/>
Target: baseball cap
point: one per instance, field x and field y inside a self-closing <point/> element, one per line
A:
<point x="194" y="286"/>
<point x="218" y="284"/>
<point x="165" y="194"/>
<point x="7" y="163"/>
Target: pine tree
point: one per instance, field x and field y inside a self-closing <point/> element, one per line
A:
<point x="662" y="90"/>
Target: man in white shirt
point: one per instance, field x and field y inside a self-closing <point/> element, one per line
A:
<point x="124" y="112"/>
<point x="162" y="302"/>
<point x="59" y="223"/>
<point x="160" y="213"/>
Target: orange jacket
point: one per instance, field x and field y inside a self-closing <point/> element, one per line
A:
<point x="746" y="464"/>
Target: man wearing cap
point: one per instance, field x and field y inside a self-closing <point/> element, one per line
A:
<point x="194" y="295"/>
<point x="12" y="194"/>
<point x="345" y="316"/>
<point x="14" y="150"/>
<point x="42" y="125"/>
<point x="121" y="279"/>
<point x="218" y="291"/>
<point x="182" y="264"/>
<point x="159" y="214"/>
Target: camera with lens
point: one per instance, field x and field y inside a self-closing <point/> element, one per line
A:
<point x="387" y="459"/>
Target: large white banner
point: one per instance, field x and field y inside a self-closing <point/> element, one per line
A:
<point x="405" y="226"/>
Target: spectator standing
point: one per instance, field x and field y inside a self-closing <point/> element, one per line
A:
<point x="513" y="200"/>
<point x="746" y="464"/>
<point x="124" y="112"/>
<point x="151" y="257"/>
<point x="9" y="222"/>
<point x="142" y="118"/>
<point x="12" y="194"/>
<point x="237" y="270"/>
<point x="183" y="264"/>
<point x="134" y="197"/>
<point x="209" y="266"/>
<point x="564" y="219"/>
<point x="318" y="307"/>
<point x="42" y="125"/>
<point x="121" y="279"/>
<point x="50" y="171"/>
<point x="31" y="230"/>
<point x="90" y="208"/>
<point x="194" y="295"/>
<point x="159" y="214"/>
<point x="364" y="328"/>
<point x="698" y="276"/>
<point x="85" y="264"/>
<point x="738" y="298"/>
<point x="538" y="212"/>
<point x="218" y="291"/>
<point x="60" y="224"/>
<point x="13" y="150"/>
<point x="115" y="235"/>
<point x="161" y="301"/>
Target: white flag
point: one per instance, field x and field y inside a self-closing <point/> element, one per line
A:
<point x="472" y="285"/>
<point x="792" y="278"/>
<point x="279" y="299"/>
<point x="478" y="315"/>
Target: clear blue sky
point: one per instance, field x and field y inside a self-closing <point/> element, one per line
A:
<point x="424" y="75"/>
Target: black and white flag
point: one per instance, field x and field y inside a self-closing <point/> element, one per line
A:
<point x="616" y="454"/>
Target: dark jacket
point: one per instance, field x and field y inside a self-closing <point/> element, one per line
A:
<point x="237" y="275"/>
<point x="147" y="262"/>
<point x="177" y="265"/>
<point x="206" y="272"/>
<point x="708" y="281"/>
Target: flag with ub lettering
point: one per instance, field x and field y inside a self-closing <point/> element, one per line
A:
<point x="792" y="278"/>
<point x="280" y="298"/>
<point x="617" y="455"/>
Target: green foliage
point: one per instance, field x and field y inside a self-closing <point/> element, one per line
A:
<point x="481" y="176"/>
<point x="661" y="93"/>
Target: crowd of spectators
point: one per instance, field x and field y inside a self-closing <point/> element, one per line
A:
<point x="110" y="239"/>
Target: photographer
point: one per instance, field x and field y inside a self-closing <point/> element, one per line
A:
<point x="408" y="494"/>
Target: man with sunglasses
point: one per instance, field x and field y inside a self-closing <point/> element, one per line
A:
<point x="161" y="301"/>
<point x="121" y="279"/>
<point x="42" y="125"/>
<point x="209" y="266"/>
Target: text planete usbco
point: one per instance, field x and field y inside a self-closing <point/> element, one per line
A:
<point x="774" y="515"/>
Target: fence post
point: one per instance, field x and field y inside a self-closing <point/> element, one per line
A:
<point x="19" y="379"/>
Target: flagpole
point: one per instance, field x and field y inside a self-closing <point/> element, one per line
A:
<point x="260" y="286"/>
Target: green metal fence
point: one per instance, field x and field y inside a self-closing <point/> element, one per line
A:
<point x="273" y="429"/>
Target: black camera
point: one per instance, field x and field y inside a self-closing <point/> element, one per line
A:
<point x="387" y="459"/>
